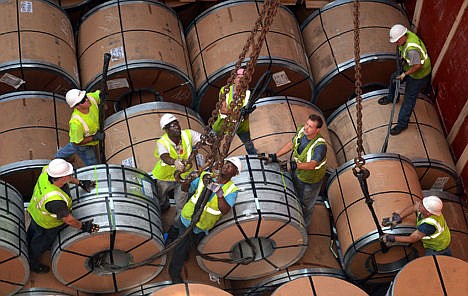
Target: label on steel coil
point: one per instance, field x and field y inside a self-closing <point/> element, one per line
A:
<point x="12" y="80"/>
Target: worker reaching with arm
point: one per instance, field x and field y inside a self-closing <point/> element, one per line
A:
<point x="432" y="228"/>
<point x="309" y="163"/>
<point x="416" y="73"/>
<point x="173" y="150"/>
<point x="243" y="130"/>
<point x="50" y="210"/>
<point x="222" y="197"/>
<point x="84" y="126"/>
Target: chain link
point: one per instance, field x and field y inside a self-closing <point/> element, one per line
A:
<point x="218" y="144"/>
<point x="358" y="160"/>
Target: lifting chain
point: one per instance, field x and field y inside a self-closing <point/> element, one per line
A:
<point x="360" y="171"/>
<point x="218" y="144"/>
<point x="359" y="161"/>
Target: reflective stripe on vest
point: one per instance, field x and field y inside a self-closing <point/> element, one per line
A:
<point x="434" y="223"/>
<point x="44" y="198"/>
<point x="83" y="124"/>
<point x="185" y="140"/>
<point x="413" y="42"/>
<point x="81" y="120"/>
<point x="197" y="194"/>
<point x="317" y="142"/>
<point x="421" y="50"/>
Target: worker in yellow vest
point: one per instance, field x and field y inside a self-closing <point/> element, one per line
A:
<point x="416" y="73"/>
<point x="172" y="151"/>
<point x="243" y="130"/>
<point x="223" y="197"/>
<point x="84" y="126"/>
<point x="431" y="226"/>
<point x="50" y="210"/>
<point x="309" y="163"/>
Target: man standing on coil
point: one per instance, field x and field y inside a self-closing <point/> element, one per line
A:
<point x="172" y="151"/>
<point x="223" y="195"/>
<point x="416" y="73"/>
<point x="84" y="126"/>
<point x="309" y="163"/>
<point x="50" y="210"/>
<point x="431" y="226"/>
<point x="243" y="131"/>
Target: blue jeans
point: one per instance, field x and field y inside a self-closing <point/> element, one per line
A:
<point x="430" y="252"/>
<point x="248" y="144"/>
<point x="86" y="153"/>
<point x="412" y="89"/>
<point x="308" y="194"/>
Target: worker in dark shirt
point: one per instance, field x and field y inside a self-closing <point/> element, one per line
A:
<point x="50" y="210"/>
<point x="431" y="226"/>
<point x="309" y="164"/>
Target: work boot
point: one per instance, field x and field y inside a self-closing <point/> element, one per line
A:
<point x="41" y="268"/>
<point x="397" y="130"/>
<point x="385" y="100"/>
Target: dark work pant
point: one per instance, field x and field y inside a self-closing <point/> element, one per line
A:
<point x="39" y="240"/>
<point x="412" y="89"/>
<point x="248" y="144"/>
<point x="446" y="251"/>
<point x="308" y="194"/>
<point x="182" y="250"/>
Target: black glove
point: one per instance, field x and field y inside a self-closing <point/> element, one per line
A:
<point x="387" y="238"/>
<point x="268" y="158"/>
<point x="246" y="111"/>
<point x="289" y="166"/>
<point x="89" y="226"/>
<point x="392" y="221"/>
<point x="99" y="136"/>
<point x="87" y="185"/>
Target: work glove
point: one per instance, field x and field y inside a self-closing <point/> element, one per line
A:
<point x="401" y="76"/>
<point x="216" y="188"/>
<point x="89" y="226"/>
<point x="179" y="164"/>
<point x="268" y="158"/>
<point x="289" y="166"/>
<point x="87" y="185"/>
<point x="99" y="136"/>
<point x="391" y="221"/>
<point x="388" y="239"/>
<point x="246" y="111"/>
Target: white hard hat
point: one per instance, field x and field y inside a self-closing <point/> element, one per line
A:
<point x="433" y="205"/>
<point x="237" y="162"/>
<point x="59" y="168"/>
<point x="396" y="32"/>
<point x="166" y="119"/>
<point x="74" y="96"/>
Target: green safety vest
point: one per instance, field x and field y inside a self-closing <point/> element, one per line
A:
<point x="309" y="176"/>
<point x="440" y="239"/>
<point x="414" y="43"/>
<point x="44" y="191"/>
<point x="211" y="212"/>
<point x="244" y="125"/>
<point x="89" y="122"/>
<point x="165" y="172"/>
